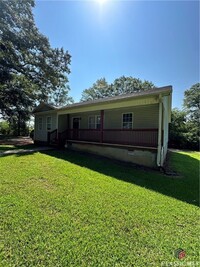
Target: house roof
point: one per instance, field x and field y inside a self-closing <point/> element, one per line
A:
<point x="44" y="107"/>
<point x="155" y="91"/>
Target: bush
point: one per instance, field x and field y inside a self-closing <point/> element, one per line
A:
<point x="183" y="133"/>
<point x="4" y="128"/>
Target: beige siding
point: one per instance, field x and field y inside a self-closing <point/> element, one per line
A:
<point x="144" y="117"/>
<point x="62" y="123"/>
<point x="41" y="135"/>
<point x="83" y="118"/>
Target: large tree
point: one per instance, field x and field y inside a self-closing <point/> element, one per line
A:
<point x="192" y="107"/>
<point x="184" y="128"/>
<point x="120" y="86"/>
<point x="30" y="69"/>
<point x="192" y="102"/>
<point x="178" y="129"/>
<point x="99" y="89"/>
<point x="127" y="85"/>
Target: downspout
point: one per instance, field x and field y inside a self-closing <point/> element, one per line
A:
<point x="159" y="151"/>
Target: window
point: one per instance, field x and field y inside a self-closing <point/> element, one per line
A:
<point x="94" y="122"/>
<point x="98" y="122"/>
<point x="40" y="123"/>
<point x="48" y="123"/>
<point x="91" y="122"/>
<point x="127" y="120"/>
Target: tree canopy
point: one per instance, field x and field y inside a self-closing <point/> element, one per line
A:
<point x="184" y="128"/>
<point x="99" y="89"/>
<point x="120" y="86"/>
<point x="178" y="128"/>
<point x="30" y="69"/>
<point x="192" y="102"/>
<point x="192" y="107"/>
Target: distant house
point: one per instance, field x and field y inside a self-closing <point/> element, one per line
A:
<point x="131" y="128"/>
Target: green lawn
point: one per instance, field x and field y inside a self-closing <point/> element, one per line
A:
<point x="69" y="209"/>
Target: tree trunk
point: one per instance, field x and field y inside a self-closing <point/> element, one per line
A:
<point x="18" y="125"/>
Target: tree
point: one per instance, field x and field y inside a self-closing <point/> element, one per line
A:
<point x="192" y="107"/>
<point x="120" y="86"/>
<point x="30" y="70"/>
<point x="178" y="129"/>
<point x="192" y="102"/>
<point x="184" y="127"/>
<point x="127" y="85"/>
<point x="4" y="127"/>
<point x="99" y="89"/>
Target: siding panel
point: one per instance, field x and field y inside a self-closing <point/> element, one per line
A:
<point x="41" y="135"/>
<point x="83" y="118"/>
<point x="144" y="117"/>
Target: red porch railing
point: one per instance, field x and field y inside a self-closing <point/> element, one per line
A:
<point x="52" y="137"/>
<point x="93" y="135"/>
<point x="139" y="137"/>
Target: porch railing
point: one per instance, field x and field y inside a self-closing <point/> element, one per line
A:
<point x="62" y="137"/>
<point x="52" y="137"/>
<point x="139" y="137"/>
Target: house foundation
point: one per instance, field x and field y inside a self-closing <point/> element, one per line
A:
<point x="140" y="156"/>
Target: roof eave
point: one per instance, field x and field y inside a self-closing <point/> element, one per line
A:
<point x="159" y="91"/>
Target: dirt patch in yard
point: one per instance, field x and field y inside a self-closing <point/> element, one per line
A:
<point x="16" y="141"/>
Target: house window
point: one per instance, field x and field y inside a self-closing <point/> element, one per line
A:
<point x="98" y="122"/>
<point x="127" y="120"/>
<point x="94" y="122"/>
<point x="40" y="123"/>
<point x="48" y="123"/>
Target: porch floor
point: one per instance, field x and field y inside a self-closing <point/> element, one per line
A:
<point x="113" y="145"/>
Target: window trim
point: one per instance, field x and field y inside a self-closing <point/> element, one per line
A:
<point x="95" y="121"/>
<point x="123" y="120"/>
<point x="48" y="123"/>
<point x="40" y="123"/>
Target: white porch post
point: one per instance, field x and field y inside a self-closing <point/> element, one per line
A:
<point x="160" y="132"/>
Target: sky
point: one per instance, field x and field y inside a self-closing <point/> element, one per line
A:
<point x="156" y="41"/>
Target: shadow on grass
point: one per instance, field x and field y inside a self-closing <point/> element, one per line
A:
<point x="184" y="187"/>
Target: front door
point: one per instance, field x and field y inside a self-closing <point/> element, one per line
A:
<point x="76" y="124"/>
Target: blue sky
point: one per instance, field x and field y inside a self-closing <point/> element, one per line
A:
<point x="151" y="40"/>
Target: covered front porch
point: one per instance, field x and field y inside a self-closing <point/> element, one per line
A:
<point x="112" y="127"/>
<point x="131" y="128"/>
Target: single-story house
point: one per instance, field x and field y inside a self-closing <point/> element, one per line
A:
<point x="132" y="127"/>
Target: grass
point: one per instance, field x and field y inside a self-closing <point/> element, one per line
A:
<point x="69" y="209"/>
